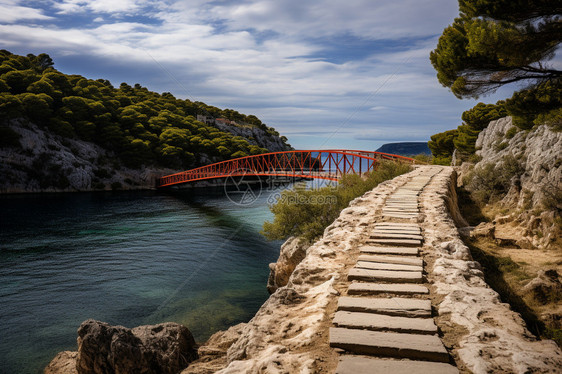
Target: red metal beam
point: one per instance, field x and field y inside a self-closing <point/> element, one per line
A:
<point x="332" y="163"/>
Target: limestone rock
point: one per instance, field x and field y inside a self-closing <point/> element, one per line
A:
<point x="538" y="153"/>
<point x="484" y="229"/>
<point x="255" y="136"/>
<point x="50" y="163"/>
<point x="63" y="363"/>
<point x="546" y="287"/>
<point x="291" y="254"/>
<point x="104" y="349"/>
<point x="489" y="336"/>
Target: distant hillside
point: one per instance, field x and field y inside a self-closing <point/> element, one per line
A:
<point x="405" y="148"/>
<point x="62" y="132"/>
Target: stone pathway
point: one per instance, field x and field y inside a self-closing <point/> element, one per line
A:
<point x="384" y="323"/>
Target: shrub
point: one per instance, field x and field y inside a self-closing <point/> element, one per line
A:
<point x="306" y="213"/>
<point x="492" y="180"/>
<point x="511" y="132"/>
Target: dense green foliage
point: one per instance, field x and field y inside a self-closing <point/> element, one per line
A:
<point x="306" y="213"/>
<point x="140" y="126"/>
<point x="537" y="105"/>
<point x="474" y="121"/>
<point x="442" y="147"/>
<point x="497" y="42"/>
<point x="463" y="139"/>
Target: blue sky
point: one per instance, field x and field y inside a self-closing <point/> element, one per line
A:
<point x="325" y="73"/>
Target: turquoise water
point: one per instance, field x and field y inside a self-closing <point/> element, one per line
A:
<point x="125" y="258"/>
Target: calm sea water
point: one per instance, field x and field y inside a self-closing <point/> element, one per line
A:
<point x="125" y="258"/>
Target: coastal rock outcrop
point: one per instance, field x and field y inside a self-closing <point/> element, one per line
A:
<point x="63" y="363"/>
<point x="50" y="163"/>
<point x="289" y="333"/>
<point x="165" y="348"/>
<point x="291" y="254"/>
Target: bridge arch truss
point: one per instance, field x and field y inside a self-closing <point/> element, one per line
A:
<point x="317" y="164"/>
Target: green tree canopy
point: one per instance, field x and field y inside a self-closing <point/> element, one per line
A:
<point x="139" y="126"/>
<point x="497" y="42"/>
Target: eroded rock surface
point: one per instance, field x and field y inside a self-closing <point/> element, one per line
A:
<point x="103" y="349"/>
<point x="291" y="254"/>
<point x="487" y="336"/>
<point x="534" y="191"/>
<point x="63" y="363"/>
<point x="50" y="163"/>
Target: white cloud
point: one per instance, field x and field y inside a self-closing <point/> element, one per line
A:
<point x="100" y="6"/>
<point x="364" y="18"/>
<point x="213" y="53"/>
<point x="11" y="12"/>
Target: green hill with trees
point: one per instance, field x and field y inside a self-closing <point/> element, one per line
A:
<point x="138" y="126"/>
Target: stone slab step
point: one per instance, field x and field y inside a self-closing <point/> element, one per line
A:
<point x="389" y="230"/>
<point x="369" y="365"/>
<point x="357" y="288"/>
<point x="385" y="275"/>
<point x="400" y="206"/>
<point x="403" y="251"/>
<point x="380" y="322"/>
<point x="397" y="224"/>
<point x="405" y="260"/>
<point x="405" y="211"/>
<point x="397" y="230"/>
<point x="389" y="344"/>
<point x="398" y="242"/>
<point x="403" y="216"/>
<point x="383" y="266"/>
<point x="378" y="235"/>
<point x="394" y="306"/>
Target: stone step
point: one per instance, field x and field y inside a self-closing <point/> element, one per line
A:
<point x="397" y="228"/>
<point x="368" y="365"/>
<point x="403" y="251"/>
<point x="395" y="231"/>
<point x="402" y="216"/>
<point x="405" y="260"/>
<point x="389" y="344"/>
<point x="385" y="275"/>
<point x="397" y="242"/>
<point x="380" y="322"/>
<point x="358" y="288"/>
<point x="394" y="306"/>
<point x="397" y="224"/>
<point x="396" y="236"/>
<point x="400" y="206"/>
<point x="383" y="266"/>
<point x="405" y="211"/>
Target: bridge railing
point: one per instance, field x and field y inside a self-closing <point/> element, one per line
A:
<point x="319" y="164"/>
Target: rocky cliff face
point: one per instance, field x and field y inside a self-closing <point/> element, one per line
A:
<point x="50" y="163"/>
<point x="256" y="136"/>
<point x="534" y="190"/>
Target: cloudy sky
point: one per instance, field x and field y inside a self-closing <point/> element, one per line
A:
<point x="325" y="73"/>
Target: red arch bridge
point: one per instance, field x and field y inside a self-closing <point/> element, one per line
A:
<point x="315" y="164"/>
